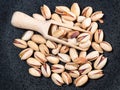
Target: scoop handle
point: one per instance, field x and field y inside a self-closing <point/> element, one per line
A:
<point x="24" y="21"/>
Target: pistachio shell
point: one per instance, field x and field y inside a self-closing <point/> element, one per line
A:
<point x="75" y="9"/>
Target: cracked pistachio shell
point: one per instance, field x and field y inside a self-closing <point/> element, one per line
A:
<point x="56" y="17"/>
<point x="97" y="15"/>
<point x="57" y="68"/>
<point x="57" y="79"/>
<point x="20" y="43"/>
<point x="51" y="44"/>
<point x="87" y="11"/>
<point x="93" y="27"/>
<point x="33" y="45"/>
<point x="45" y="11"/>
<point x="73" y="53"/>
<point x="97" y="47"/>
<point x="92" y="55"/>
<point x="64" y="57"/>
<point x="26" y="53"/>
<point x="53" y="59"/>
<point x="44" y="49"/>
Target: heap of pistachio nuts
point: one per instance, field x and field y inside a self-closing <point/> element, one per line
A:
<point x="44" y="57"/>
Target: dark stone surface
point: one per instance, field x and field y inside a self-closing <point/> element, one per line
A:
<point x="14" y="72"/>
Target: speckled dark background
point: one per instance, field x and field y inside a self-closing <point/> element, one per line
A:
<point x="14" y="72"/>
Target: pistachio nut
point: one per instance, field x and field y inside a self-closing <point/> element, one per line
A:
<point x="56" y="17"/>
<point x="45" y="69"/>
<point x="57" y="68"/>
<point x="95" y="74"/>
<point x="33" y="62"/>
<point x="93" y="27"/>
<point x="73" y="34"/>
<point x="84" y="45"/>
<point x="20" y="43"/>
<point x="71" y="66"/>
<point x="44" y="49"/>
<point x="73" y="41"/>
<point x="40" y="57"/>
<point x="99" y="35"/>
<point x="57" y="79"/>
<point x="68" y="22"/>
<point x="27" y="35"/>
<point x="64" y="49"/>
<point x="66" y="78"/>
<point x="58" y="33"/>
<point x="80" y="19"/>
<point x="51" y="44"/>
<point x="75" y="9"/>
<point x="87" y="11"/>
<point x="86" y="23"/>
<point x="83" y="37"/>
<point x="97" y="15"/>
<point x="81" y="80"/>
<point x="52" y="59"/>
<point x="74" y="73"/>
<point x="92" y="55"/>
<point x="97" y="47"/>
<point x="80" y="60"/>
<point x="37" y="38"/>
<point x="33" y="45"/>
<point x="73" y="53"/>
<point x="106" y="46"/>
<point x="83" y="54"/>
<point x="45" y="11"/>
<point x="56" y="50"/>
<point x="100" y="62"/>
<point x="53" y="29"/>
<point x="35" y="72"/>
<point x="26" y="53"/>
<point x="85" y="68"/>
<point x="64" y="57"/>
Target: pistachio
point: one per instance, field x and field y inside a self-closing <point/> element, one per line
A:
<point x="20" y="43"/>
<point x="87" y="11"/>
<point x="97" y="47"/>
<point x="38" y="39"/>
<point x="57" y="79"/>
<point x="65" y="29"/>
<point x="98" y="36"/>
<point x="64" y="57"/>
<point x="33" y="45"/>
<point x="44" y="49"/>
<point x="73" y="53"/>
<point x="56" y="50"/>
<point x="58" y="33"/>
<point x="80" y="19"/>
<point x="64" y="49"/>
<point x="81" y="80"/>
<point x="53" y="28"/>
<point x="83" y="54"/>
<point x="35" y="72"/>
<point x="83" y="37"/>
<point x="45" y="69"/>
<point x="69" y="16"/>
<point x="85" y="44"/>
<point x="57" y="68"/>
<point x="66" y="78"/>
<point x="86" y="23"/>
<point x="80" y="60"/>
<point x="97" y="15"/>
<point x="106" y="46"/>
<point x="85" y="68"/>
<point x="74" y="73"/>
<point x="77" y="24"/>
<point x="51" y="44"/>
<point x="93" y="27"/>
<point x="73" y="34"/>
<point x="71" y="66"/>
<point x="61" y="9"/>
<point x="26" y="53"/>
<point x="45" y="11"/>
<point x="75" y="9"/>
<point x="95" y="74"/>
<point x="53" y="59"/>
<point x="33" y="62"/>
<point x="40" y="57"/>
<point x="38" y="17"/>
<point x="92" y="55"/>
<point x="56" y="17"/>
<point x="27" y="35"/>
<point x="100" y="62"/>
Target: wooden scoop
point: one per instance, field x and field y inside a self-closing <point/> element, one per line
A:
<point x="24" y="21"/>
